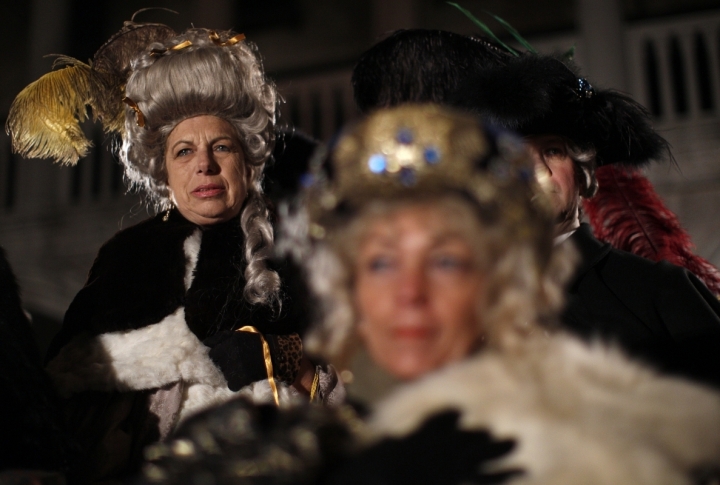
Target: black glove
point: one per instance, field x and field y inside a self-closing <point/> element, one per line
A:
<point x="239" y="355"/>
<point x="437" y="453"/>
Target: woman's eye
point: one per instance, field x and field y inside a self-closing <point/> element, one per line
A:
<point x="448" y="262"/>
<point x="222" y="148"/>
<point x="183" y="152"/>
<point x="380" y="263"/>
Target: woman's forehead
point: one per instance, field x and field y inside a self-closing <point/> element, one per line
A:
<point x="434" y="222"/>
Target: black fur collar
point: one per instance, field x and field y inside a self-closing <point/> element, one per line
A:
<point x="138" y="279"/>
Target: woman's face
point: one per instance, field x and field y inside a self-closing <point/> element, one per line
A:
<point x="417" y="290"/>
<point x="206" y="170"/>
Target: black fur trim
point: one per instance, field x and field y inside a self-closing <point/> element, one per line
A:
<point x="138" y="279"/>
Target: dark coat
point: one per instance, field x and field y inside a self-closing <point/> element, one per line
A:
<point x="33" y="433"/>
<point x="658" y="312"/>
<point x="155" y="319"/>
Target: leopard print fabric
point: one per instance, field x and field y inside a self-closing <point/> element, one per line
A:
<point x="287" y="352"/>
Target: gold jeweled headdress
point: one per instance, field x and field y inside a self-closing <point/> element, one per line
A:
<point x="425" y="149"/>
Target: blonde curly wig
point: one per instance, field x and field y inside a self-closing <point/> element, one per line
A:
<point x="522" y="289"/>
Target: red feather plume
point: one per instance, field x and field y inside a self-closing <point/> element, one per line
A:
<point x="629" y="214"/>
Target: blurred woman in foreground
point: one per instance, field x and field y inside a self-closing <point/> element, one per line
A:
<point x="430" y="248"/>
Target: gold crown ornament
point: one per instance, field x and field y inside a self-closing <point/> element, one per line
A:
<point x="425" y="150"/>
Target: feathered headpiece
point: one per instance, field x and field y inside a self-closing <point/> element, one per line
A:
<point x="523" y="91"/>
<point x="44" y="120"/>
<point x="536" y="94"/>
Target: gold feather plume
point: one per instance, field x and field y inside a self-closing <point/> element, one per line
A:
<point x="44" y="119"/>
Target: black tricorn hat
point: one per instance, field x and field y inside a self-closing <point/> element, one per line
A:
<point x="537" y="94"/>
<point x="529" y="93"/>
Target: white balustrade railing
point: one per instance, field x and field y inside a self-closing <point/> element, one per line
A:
<point x="673" y="66"/>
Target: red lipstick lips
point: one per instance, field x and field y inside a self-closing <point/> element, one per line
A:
<point x="208" y="190"/>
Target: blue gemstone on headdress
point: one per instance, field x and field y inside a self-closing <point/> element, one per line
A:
<point x="432" y="155"/>
<point x="307" y="180"/>
<point x="377" y="163"/>
<point x="407" y="176"/>
<point x="404" y="136"/>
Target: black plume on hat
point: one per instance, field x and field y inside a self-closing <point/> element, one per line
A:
<point x="538" y="94"/>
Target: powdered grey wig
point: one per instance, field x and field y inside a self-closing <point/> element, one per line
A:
<point x="202" y="79"/>
<point x="205" y="78"/>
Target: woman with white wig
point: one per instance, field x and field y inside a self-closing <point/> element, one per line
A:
<point x="182" y="311"/>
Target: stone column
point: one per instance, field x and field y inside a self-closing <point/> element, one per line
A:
<point x="601" y="26"/>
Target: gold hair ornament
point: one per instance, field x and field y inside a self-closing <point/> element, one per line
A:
<point x="178" y="47"/>
<point x="133" y="105"/>
<point x="231" y="41"/>
<point x="315" y="385"/>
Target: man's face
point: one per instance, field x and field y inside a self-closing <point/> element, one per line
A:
<point x="555" y="171"/>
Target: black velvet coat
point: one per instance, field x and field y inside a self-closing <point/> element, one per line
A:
<point x="658" y="312"/>
<point x="149" y="339"/>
